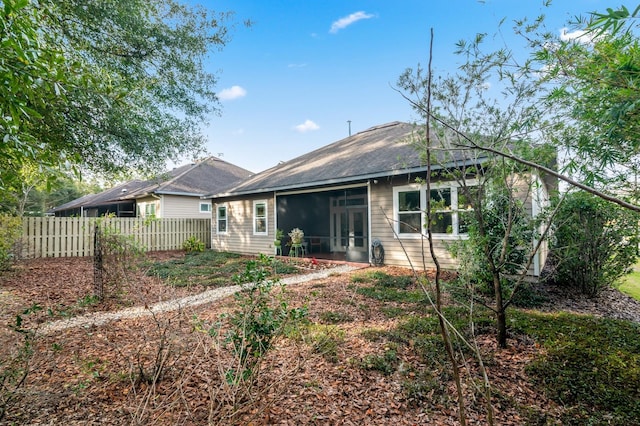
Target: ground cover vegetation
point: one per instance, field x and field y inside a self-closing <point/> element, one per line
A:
<point x="363" y="347"/>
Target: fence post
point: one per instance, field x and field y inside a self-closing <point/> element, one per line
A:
<point x="98" y="284"/>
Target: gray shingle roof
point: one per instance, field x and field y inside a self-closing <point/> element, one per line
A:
<point x="196" y="179"/>
<point x="383" y="150"/>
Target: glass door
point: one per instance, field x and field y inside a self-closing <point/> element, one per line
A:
<point x="349" y="224"/>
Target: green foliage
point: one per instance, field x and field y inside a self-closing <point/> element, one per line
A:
<point x="596" y="96"/>
<point x="326" y="341"/>
<point x="500" y="240"/>
<point x="128" y="94"/>
<point x="208" y="268"/>
<point x="193" y="244"/>
<point x="333" y="317"/>
<point x="630" y="284"/>
<point x="595" y="242"/>
<point x="385" y="363"/>
<point x="15" y="368"/>
<point x="590" y="365"/>
<point x="10" y="235"/>
<point x="260" y="318"/>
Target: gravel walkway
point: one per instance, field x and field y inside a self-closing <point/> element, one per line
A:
<point x="100" y="318"/>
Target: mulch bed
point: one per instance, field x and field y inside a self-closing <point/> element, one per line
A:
<point x="82" y="375"/>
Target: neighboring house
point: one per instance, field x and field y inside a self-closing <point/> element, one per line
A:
<point x="347" y="197"/>
<point x="174" y="194"/>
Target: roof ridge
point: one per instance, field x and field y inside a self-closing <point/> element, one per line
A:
<point x="179" y="175"/>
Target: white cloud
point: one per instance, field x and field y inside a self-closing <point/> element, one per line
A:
<point x="307" y="126"/>
<point x="348" y="20"/>
<point x="233" y="92"/>
<point x="296" y="65"/>
<point x="577" y="35"/>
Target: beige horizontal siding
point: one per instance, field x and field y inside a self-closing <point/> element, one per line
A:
<point x="403" y="252"/>
<point x="180" y="206"/>
<point x="239" y="237"/>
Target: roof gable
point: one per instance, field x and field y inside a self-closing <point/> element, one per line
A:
<point x="195" y="179"/>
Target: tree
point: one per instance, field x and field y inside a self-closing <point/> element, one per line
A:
<point x="104" y="85"/>
<point x="468" y="120"/>
<point x="595" y="76"/>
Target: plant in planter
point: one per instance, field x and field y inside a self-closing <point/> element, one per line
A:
<point x="278" y="241"/>
<point x="296" y="235"/>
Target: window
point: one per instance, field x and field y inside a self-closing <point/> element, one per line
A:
<point x="150" y="210"/>
<point x="450" y="209"/>
<point x="205" y="207"/>
<point x="409" y="212"/>
<point x="222" y="219"/>
<point x="260" y="217"/>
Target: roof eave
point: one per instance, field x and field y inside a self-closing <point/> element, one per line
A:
<point x="327" y="182"/>
<point x="322" y="183"/>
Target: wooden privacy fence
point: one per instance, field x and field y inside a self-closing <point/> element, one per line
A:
<point x="74" y="236"/>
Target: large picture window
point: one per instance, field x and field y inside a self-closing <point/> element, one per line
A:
<point x="450" y="210"/>
<point x="221" y="216"/>
<point x="260" y="217"/>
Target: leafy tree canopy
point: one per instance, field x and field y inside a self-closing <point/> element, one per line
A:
<point x="103" y="85"/>
<point x="593" y="74"/>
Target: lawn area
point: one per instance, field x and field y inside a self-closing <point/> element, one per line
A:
<point x="631" y="283"/>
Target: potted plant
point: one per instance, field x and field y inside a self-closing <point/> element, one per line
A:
<point x="296" y="235"/>
<point x="278" y="241"/>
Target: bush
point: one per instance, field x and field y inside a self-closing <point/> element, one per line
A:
<point x="193" y="244"/>
<point x="595" y="242"/>
<point x="114" y="258"/>
<point x="10" y="232"/>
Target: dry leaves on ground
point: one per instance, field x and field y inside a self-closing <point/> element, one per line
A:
<point x="105" y="375"/>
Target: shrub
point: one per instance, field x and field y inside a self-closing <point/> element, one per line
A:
<point x="595" y="242"/>
<point x="258" y="321"/>
<point x="10" y="232"/>
<point x="193" y="244"/>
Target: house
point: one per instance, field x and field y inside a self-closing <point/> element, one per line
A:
<point x="174" y="194"/>
<point x="353" y="199"/>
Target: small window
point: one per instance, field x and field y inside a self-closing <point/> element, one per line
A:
<point x="205" y="207"/>
<point x="442" y="216"/>
<point x="222" y="219"/>
<point x="260" y="217"/>
<point x="150" y="210"/>
<point x="409" y="213"/>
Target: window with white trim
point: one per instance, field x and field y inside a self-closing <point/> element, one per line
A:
<point x="450" y="210"/>
<point x="150" y="210"/>
<point x="221" y="218"/>
<point x="260" y="217"/>
<point x="205" y="207"/>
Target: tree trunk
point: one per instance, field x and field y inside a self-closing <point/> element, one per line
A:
<point x="501" y="315"/>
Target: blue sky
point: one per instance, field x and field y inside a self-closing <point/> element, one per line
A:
<point x="291" y="82"/>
